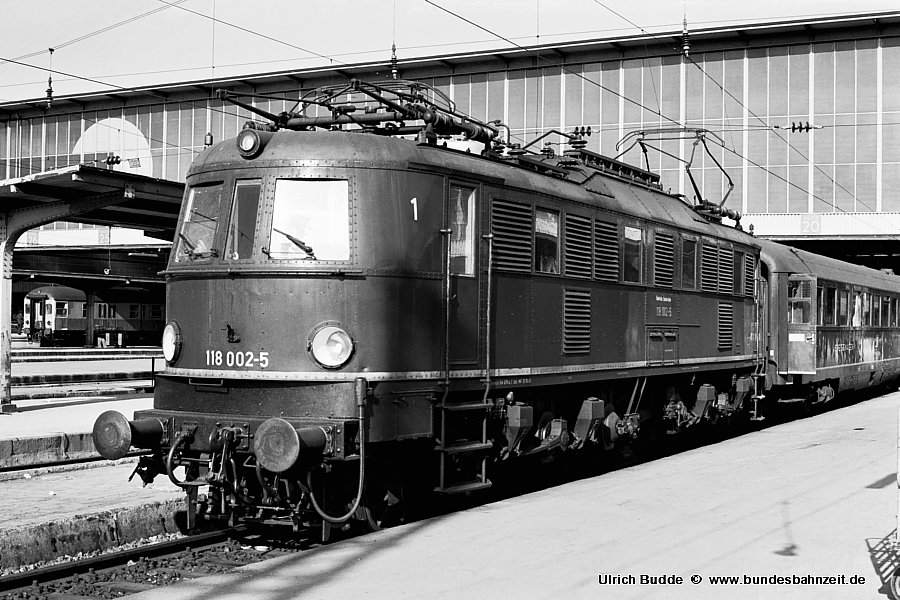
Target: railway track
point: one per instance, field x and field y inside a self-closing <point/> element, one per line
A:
<point x="130" y="571"/>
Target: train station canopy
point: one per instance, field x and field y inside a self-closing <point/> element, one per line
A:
<point x="78" y="193"/>
<point x="89" y="194"/>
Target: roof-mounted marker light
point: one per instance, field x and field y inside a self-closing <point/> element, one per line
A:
<point x="250" y="142"/>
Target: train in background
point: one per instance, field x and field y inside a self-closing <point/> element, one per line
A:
<point x="829" y="325"/>
<point x="125" y="315"/>
<point x="360" y="315"/>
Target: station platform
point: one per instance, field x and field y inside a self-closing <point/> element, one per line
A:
<point x="50" y="512"/>
<point x="805" y="509"/>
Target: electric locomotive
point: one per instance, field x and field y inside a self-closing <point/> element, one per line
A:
<point x="358" y="313"/>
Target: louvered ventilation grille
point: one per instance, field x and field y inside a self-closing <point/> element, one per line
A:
<point x="511" y="225"/>
<point x="726" y="271"/>
<point x="726" y="326"/>
<point x="577" y="321"/>
<point x="606" y="251"/>
<point x="578" y="246"/>
<point x="749" y="271"/>
<point x="709" y="268"/>
<point x="664" y="260"/>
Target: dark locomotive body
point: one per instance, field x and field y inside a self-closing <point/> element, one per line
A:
<point x="349" y="308"/>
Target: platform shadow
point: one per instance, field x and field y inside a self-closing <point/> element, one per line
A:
<point x="883" y="555"/>
<point x="305" y="574"/>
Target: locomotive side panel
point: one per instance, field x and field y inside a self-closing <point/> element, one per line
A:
<point x="513" y="308"/>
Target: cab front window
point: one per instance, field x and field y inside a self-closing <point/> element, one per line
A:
<point x="310" y="220"/>
<point x="198" y="229"/>
<point x="242" y="227"/>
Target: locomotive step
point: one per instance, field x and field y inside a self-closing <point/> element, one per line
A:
<point x="465" y="447"/>
<point x="466" y="406"/>
<point x="469" y="486"/>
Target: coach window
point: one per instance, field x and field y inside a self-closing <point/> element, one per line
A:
<point x="689" y="263"/>
<point x="462" y="225"/>
<point x="242" y="225"/>
<point x="893" y="312"/>
<point x="856" y="310"/>
<point x="830" y="305"/>
<point x="198" y="229"/>
<point x="62" y="310"/>
<point x="843" y="308"/>
<point x="799" y="302"/>
<point x="876" y="310"/>
<point x="820" y="305"/>
<point x="546" y="241"/>
<point x="310" y="220"/>
<point x="885" y="311"/>
<point x="632" y="254"/>
<point x="867" y="310"/>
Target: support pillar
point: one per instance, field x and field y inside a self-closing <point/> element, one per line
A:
<point x="90" y="299"/>
<point x="7" y="243"/>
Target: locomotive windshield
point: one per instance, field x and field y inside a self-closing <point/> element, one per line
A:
<point x="242" y="226"/>
<point x="195" y="240"/>
<point x="310" y="220"/>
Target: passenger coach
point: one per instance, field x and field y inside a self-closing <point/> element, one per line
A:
<point x="831" y="325"/>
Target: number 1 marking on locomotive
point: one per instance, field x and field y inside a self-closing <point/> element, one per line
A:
<point x="415" y="204"/>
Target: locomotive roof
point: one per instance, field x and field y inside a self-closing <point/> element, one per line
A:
<point x="784" y="259"/>
<point x="587" y="185"/>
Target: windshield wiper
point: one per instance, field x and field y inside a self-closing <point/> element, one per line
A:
<point x="299" y="243"/>
<point x="191" y="250"/>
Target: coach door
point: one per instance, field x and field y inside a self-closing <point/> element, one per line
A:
<point x="36" y="307"/>
<point x="463" y="298"/>
<point x="801" y="326"/>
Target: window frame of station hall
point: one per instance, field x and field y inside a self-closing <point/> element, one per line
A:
<point x="840" y="82"/>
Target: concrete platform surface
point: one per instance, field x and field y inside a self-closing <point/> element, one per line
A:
<point x="50" y="514"/>
<point x="811" y="498"/>
<point x="66" y="415"/>
<point x="47" y="430"/>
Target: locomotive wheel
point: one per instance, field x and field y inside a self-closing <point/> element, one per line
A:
<point x="895" y="584"/>
<point x="542" y="429"/>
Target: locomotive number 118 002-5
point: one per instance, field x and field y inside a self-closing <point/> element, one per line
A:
<point x="247" y="359"/>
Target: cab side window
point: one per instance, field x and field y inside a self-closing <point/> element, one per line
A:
<point x="462" y="224"/>
<point x="689" y="263"/>
<point x="546" y="241"/>
<point x="632" y="255"/>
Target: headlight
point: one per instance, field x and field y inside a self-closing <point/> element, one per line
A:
<point x="249" y="143"/>
<point x="171" y="341"/>
<point x="331" y="346"/>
